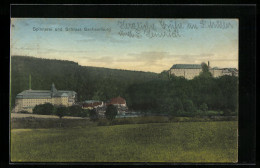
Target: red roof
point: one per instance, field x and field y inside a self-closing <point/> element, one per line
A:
<point x="117" y="100"/>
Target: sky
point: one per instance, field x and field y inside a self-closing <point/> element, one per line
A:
<point x="150" y="45"/>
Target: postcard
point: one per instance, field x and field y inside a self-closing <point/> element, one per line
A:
<point x="101" y="90"/>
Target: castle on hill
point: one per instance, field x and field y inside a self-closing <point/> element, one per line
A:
<point x="189" y="71"/>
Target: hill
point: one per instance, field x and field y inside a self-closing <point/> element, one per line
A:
<point x="88" y="82"/>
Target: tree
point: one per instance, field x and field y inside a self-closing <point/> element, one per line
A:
<point x="164" y="75"/>
<point x="98" y="95"/>
<point x="166" y="105"/>
<point x="111" y="112"/>
<point x="188" y="106"/>
<point x="84" y="113"/>
<point x="227" y="112"/>
<point x="44" y="109"/>
<point x="178" y="106"/>
<point x="205" y="71"/>
<point x="75" y="110"/>
<point x="204" y="107"/>
<point x="204" y="67"/>
<point x="93" y="115"/>
<point x="61" y="111"/>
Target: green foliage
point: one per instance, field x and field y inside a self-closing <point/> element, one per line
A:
<point x="33" y="123"/>
<point x="205" y="67"/>
<point x="164" y="75"/>
<point x="85" y="113"/>
<point x="24" y="112"/>
<point x="227" y="112"/>
<point x="158" y="142"/>
<point x="75" y="110"/>
<point x="189" y="106"/>
<point x="93" y="115"/>
<point x="61" y="111"/>
<point x="205" y="71"/>
<point x="204" y="107"/>
<point x="178" y="106"/>
<point x="44" y="109"/>
<point x="179" y="96"/>
<point x="111" y="112"/>
<point x="167" y="106"/>
<point x="88" y="82"/>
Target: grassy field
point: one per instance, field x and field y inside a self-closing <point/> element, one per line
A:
<point x="157" y="142"/>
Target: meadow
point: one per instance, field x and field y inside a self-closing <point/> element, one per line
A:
<point x="214" y="141"/>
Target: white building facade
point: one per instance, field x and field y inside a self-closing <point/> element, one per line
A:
<point x="189" y="71"/>
<point x="28" y="99"/>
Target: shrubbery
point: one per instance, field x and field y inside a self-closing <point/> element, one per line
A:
<point x="93" y="115"/>
<point x="49" y="109"/>
<point x="178" y="96"/>
<point x="24" y="112"/>
<point x="77" y="111"/>
<point x="44" y="109"/>
<point x="111" y="112"/>
<point x="61" y="111"/>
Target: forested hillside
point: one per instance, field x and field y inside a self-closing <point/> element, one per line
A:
<point x="178" y="96"/>
<point x="88" y="82"/>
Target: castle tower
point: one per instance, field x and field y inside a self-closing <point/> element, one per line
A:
<point x="53" y="89"/>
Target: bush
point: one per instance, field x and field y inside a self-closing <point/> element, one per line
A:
<point x="204" y="107"/>
<point x="188" y="106"/>
<point x="44" y="109"/>
<point x="93" y="115"/>
<point x="228" y="112"/>
<point x="111" y="112"/>
<point x="61" y="111"/>
<point x="24" y="112"/>
<point x="84" y="113"/>
<point x="75" y="111"/>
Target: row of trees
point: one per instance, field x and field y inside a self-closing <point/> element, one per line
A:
<point x="179" y="96"/>
<point x="49" y="109"/>
<point x="76" y="111"/>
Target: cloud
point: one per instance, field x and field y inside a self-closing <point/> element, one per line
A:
<point x="51" y="50"/>
<point x="158" y="61"/>
<point x="153" y="57"/>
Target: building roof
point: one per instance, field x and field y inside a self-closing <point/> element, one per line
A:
<point x="44" y="94"/>
<point x="91" y="101"/>
<point x="198" y="66"/>
<point x="31" y="94"/>
<point x="117" y="100"/>
<point x="186" y="66"/>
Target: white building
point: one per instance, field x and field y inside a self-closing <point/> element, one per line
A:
<point x="28" y="99"/>
<point x="189" y="71"/>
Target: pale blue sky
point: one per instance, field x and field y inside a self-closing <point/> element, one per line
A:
<point x="219" y="45"/>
